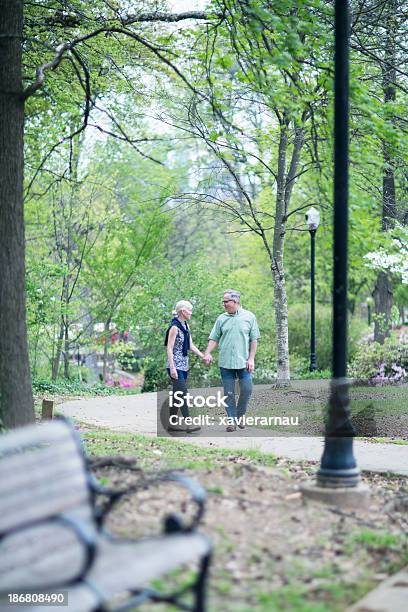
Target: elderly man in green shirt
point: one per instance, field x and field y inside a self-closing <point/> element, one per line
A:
<point x="236" y="333"/>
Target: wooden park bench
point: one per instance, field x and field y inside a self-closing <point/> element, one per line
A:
<point x="52" y="535"/>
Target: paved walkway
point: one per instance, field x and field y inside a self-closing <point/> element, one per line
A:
<point x="137" y="414"/>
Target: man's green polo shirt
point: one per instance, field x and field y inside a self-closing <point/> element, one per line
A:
<point x="234" y="333"/>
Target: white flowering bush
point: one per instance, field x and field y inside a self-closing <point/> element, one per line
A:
<point x="393" y="257"/>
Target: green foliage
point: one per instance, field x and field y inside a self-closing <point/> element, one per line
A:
<point x="155" y="376"/>
<point x="299" y="334"/>
<point x="125" y="353"/>
<point x="64" y="386"/>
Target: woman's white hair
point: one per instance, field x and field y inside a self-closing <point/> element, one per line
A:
<point x="182" y="305"/>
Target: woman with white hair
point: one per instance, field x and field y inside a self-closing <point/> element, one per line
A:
<point x="179" y="342"/>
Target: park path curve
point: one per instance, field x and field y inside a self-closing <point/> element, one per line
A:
<point x="137" y="414"/>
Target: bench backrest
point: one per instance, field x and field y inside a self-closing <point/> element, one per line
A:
<point x="42" y="476"/>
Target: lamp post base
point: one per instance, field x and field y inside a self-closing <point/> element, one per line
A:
<point x="357" y="497"/>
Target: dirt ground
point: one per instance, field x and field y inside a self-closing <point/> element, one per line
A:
<point x="273" y="551"/>
<point x="375" y="411"/>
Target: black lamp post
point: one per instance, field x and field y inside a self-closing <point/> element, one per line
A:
<point x="313" y="221"/>
<point x="338" y="466"/>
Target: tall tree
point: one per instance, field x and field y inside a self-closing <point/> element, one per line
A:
<point x="378" y="29"/>
<point x="383" y="288"/>
<point x="16" y="402"/>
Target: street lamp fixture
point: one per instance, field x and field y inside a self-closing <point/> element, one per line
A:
<point x="312" y="219"/>
<point x="313" y="222"/>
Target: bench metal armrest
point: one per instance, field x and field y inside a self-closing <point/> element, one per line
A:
<point x="87" y="537"/>
<point x="198" y="495"/>
<point x="172" y="522"/>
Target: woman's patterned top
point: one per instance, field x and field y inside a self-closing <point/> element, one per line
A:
<point x="180" y="360"/>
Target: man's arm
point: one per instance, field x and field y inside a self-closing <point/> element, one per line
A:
<point x="252" y="352"/>
<point x="212" y="341"/>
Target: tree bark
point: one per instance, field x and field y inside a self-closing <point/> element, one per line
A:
<point x="16" y="401"/>
<point x="105" y="352"/>
<point x="285" y="183"/>
<point x="56" y="360"/>
<point x="66" y="351"/>
<point x="383" y="288"/>
<point x="382" y="295"/>
<point x="279" y="286"/>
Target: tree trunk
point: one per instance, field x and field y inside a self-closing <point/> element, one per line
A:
<point x="281" y="325"/>
<point x="279" y="287"/>
<point x="383" y="287"/>
<point x="16" y="400"/>
<point x="56" y="360"/>
<point x="382" y="295"/>
<point x="66" y="351"/>
<point x="105" y="353"/>
<point x="285" y="184"/>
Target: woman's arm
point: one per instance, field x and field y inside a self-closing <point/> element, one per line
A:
<point x="170" y="345"/>
<point x="195" y="350"/>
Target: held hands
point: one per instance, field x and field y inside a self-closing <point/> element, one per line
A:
<point x="207" y="358"/>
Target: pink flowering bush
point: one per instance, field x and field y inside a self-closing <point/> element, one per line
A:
<point x="382" y="364"/>
<point x="125" y="383"/>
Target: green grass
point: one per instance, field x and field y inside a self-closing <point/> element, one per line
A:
<point x="376" y="539"/>
<point x="166" y="452"/>
<point x="215" y="490"/>
<point x="386" y="440"/>
<point x="295" y="597"/>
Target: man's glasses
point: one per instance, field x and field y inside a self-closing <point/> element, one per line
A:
<point x="226" y="301"/>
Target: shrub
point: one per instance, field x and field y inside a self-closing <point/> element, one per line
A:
<point x="382" y="364"/>
<point x="155" y="376"/>
<point x="126" y="355"/>
<point x="65" y="386"/>
<point x="300" y="369"/>
<point x="299" y="334"/>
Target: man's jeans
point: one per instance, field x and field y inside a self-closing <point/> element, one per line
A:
<point x="245" y="390"/>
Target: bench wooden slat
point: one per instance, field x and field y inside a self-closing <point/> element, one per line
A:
<point x="42" y="555"/>
<point x="123" y="566"/>
<point x="33" y="434"/>
<point x="21" y="508"/>
<point x="42" y="473"/>
<point x="131" y="565"/>
<point x="35" y="463"/>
